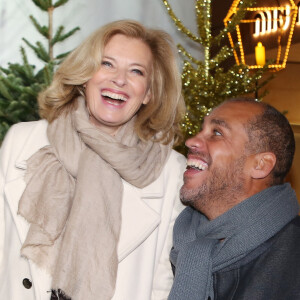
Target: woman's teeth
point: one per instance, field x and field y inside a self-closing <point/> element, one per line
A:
<point x="114" y="96"/>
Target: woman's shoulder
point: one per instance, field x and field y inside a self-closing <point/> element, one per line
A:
<point x="21" y="131"/>
<point x="25" y="137"/>
<point x="27" y="127"/>
<point x="175" y="165"/>
<point x="177" y="158"/>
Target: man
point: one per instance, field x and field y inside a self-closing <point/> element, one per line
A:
<point x="239" y="237"/>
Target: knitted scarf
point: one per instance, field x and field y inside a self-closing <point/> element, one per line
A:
<point x="73" y="200"/>
<point x="198" y="252"/>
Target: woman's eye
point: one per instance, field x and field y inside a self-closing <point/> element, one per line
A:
<point x="137" y="71"/>
<point x="106" y="63"/>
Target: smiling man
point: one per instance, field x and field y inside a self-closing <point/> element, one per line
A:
<point x="239" y="237"/>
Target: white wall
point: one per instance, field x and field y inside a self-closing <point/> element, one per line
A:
<point x="88" y="15"/>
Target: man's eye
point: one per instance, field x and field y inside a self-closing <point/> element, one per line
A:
<point x="217" y="132"/>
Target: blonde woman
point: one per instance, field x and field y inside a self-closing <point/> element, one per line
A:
<point x="89" y="194"/>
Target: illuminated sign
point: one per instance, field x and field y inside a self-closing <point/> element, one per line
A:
<point x="272" y="19"/>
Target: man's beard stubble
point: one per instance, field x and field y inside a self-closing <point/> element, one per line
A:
<point x="222" y="186"/>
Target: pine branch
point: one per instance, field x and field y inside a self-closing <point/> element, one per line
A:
<point x="61" y="56"/>
<point x="180" y="25"/>
<point x="203" y="12"/>
<point x="185" y="53"/>
<point x="59" y="37"/>
<point x="39" y="50"/>
<point x="60" y="3"/>
<point x="29" y="70"/>
<point x="4" y="91"/>
<point x="42" y="4"/>
<point x="43" y="30"/>
<point x="18" y="71"/>
<point x="48" y="74"/>
<point x="224" y="53"/>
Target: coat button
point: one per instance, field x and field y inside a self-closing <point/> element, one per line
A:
<point x="27" y="283"/>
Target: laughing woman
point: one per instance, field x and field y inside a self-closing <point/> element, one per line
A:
<point x="89" y="194"/>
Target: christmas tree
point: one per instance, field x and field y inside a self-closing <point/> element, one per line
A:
<point x="21" y="83"/>
<point x="207" y="83"/>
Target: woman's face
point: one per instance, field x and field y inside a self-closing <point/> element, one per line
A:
<point x="118" y="89"/>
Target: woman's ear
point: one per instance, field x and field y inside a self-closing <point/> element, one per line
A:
<point x="263" y="164"/>
<point x="147" y="97"/>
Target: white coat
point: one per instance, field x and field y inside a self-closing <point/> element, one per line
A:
<point x="148" y="215"/>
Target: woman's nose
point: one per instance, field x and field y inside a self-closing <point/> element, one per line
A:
<point x="119" y="78"/>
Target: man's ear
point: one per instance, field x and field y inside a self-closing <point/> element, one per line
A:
<point x="263" y="165"/>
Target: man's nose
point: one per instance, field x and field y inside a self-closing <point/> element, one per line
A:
<point x="196" y="142"/>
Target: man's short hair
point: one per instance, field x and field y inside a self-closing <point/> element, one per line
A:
<point x="270" y="131"/>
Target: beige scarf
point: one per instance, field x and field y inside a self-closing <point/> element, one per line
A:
<point x="73" y="201"/>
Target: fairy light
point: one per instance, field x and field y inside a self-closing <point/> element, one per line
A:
<point x="289" y="40"/>
<point x="234" y="52"/>
<point x="239" y="36"/>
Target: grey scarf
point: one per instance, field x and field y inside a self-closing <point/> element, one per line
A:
<point x="73" y="201"/>
<point x="197" y="251"/>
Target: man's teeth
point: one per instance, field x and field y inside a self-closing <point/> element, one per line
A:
<point x="197" y="164"/>
<point x="114" y="96"/>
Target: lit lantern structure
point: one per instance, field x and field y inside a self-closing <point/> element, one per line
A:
<point x="272" y="26"/>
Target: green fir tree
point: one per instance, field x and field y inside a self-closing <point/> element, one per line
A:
<point x="21" y="83"/>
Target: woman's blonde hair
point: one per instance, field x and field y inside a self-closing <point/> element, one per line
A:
<point x="160" y="118"/>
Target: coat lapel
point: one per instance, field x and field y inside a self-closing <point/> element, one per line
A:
<point x="140" y="215"/>
<point x="13" y="191"/>
<point x="15" y="183"/>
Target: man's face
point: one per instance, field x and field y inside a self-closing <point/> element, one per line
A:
<point x="217" y="167"/>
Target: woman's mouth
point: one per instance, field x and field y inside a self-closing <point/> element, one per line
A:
<point x="114" y="98"/>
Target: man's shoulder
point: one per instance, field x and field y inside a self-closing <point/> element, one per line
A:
<point x="284" y="243"/>
<point x="295" y="223"/>
<point x="271" y="271"/>
<point x="289" y="236"/>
